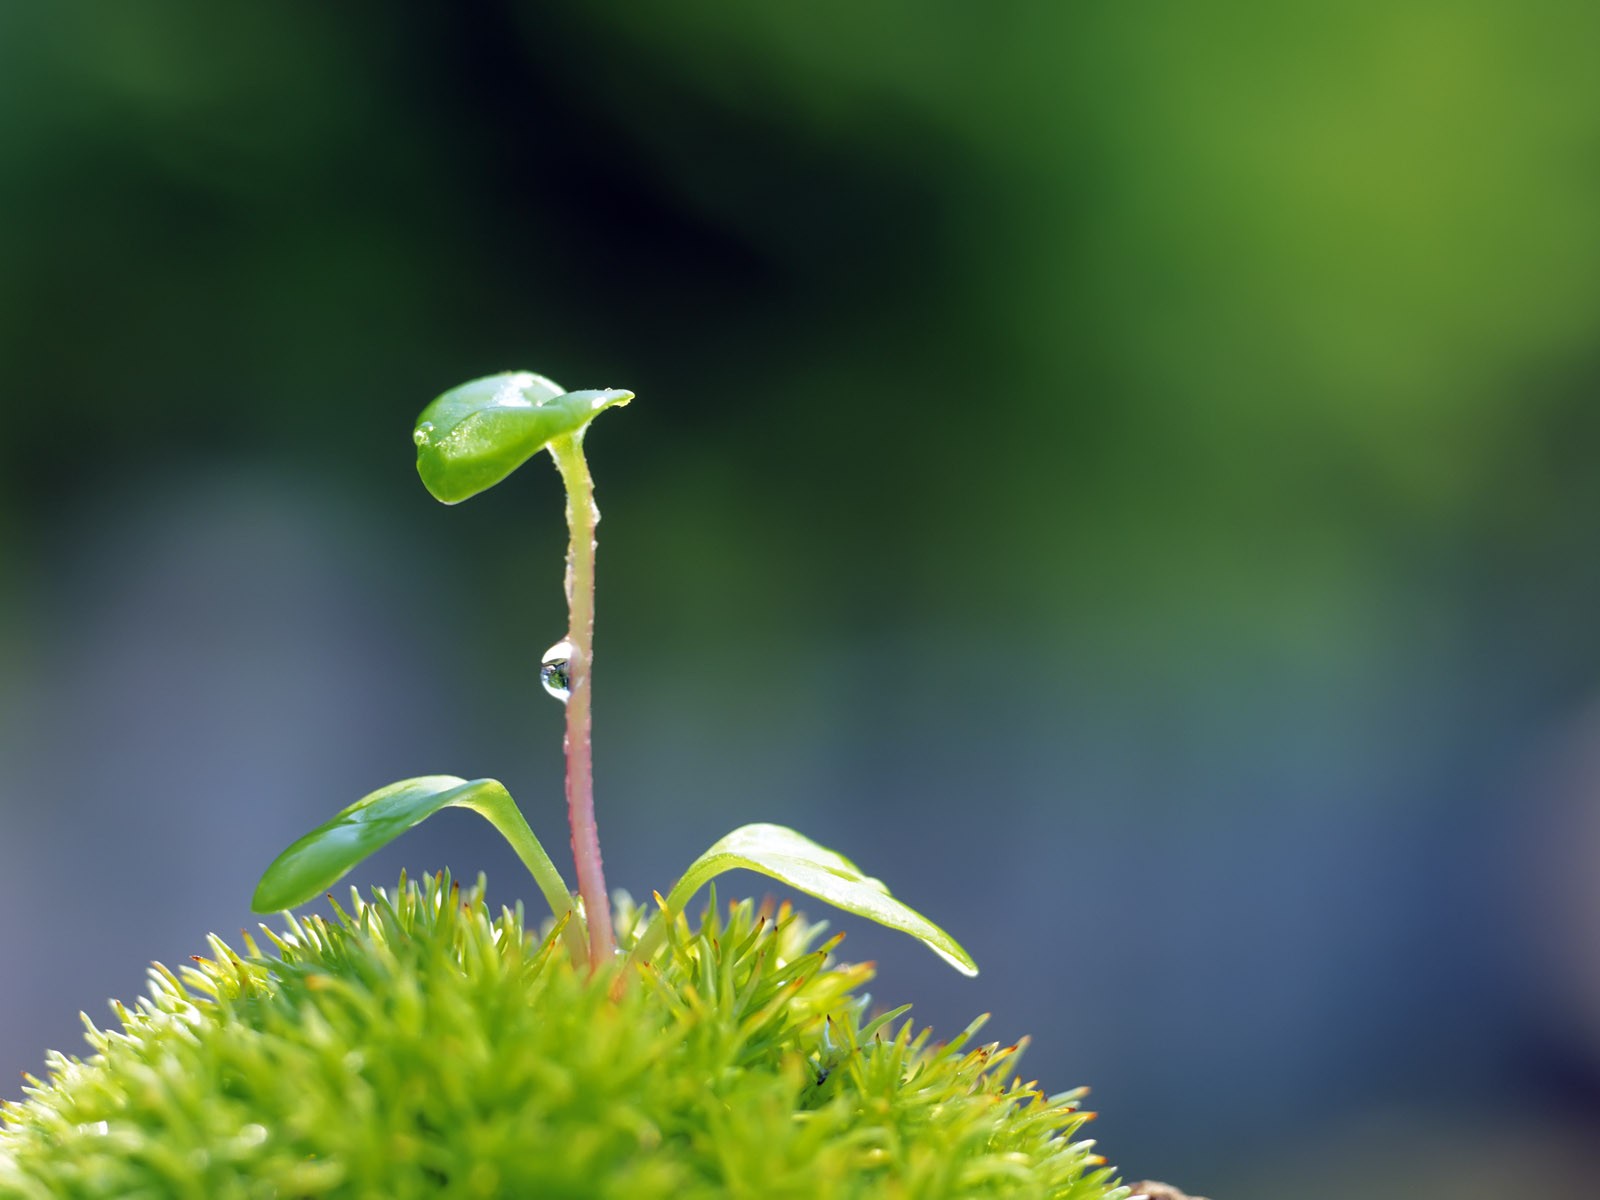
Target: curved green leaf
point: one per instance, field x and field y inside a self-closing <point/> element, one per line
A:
<point x="796" y="860"/>
<point x="318" y="860"/>
<point x="473" y="436"/>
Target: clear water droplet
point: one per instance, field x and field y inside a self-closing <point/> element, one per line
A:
<point x="422" y="433"/>
<point x="555" y="671"/>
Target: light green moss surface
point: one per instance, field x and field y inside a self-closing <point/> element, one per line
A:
<point x="420" y="1045"/>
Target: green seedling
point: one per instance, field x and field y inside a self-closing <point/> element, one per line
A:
<point x="468" y="440"/>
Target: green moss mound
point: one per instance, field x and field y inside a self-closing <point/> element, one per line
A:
<point x="421" y="1045"/>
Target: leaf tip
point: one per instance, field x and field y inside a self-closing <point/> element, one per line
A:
<point x="266" y="900"/>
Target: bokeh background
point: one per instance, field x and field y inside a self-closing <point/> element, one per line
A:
<point x="1125" y="473"/>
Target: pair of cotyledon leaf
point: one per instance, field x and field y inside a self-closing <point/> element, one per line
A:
<point x="468" y="440"/>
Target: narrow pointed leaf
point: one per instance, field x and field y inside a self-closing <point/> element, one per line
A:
<point x="318" y="860"/>
<point x="798" y="861"/>
<point x="475" y="435"/>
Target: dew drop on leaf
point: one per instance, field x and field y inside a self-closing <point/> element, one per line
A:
<point x="554" y="671"/>
<point x="422" y="433"/>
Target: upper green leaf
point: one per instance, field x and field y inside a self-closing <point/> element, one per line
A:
<point x="317" y="861"/>
<point x="473" y="436"/>
<point x="798" y="861"/>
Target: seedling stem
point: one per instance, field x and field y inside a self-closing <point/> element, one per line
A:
<point x="582" y="517"/>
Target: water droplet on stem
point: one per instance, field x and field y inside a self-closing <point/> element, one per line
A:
<point x="422" y="433"/>
<point x="555" y="672"/>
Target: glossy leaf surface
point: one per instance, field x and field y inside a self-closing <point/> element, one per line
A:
<point x="318" y="860"/>
<point x="475" y="435"/>
<point x="794" y="859"/>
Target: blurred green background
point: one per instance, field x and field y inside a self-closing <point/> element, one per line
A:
<point x="1124" y="473"/>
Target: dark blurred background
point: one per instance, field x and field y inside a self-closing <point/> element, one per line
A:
<point x="1123" y="473"/>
